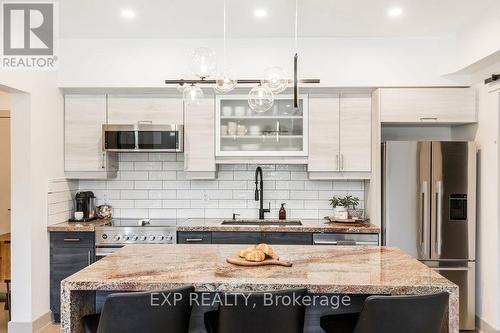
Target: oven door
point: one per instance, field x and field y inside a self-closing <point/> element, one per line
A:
<point x="103" y="251"/>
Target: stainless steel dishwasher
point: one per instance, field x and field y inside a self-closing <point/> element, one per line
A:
<point x="345" y="239"/>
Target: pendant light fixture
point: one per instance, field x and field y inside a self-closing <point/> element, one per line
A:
<point x="224" y="83"/>
<point x="260" y="98"/>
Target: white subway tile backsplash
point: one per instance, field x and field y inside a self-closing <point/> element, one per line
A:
<point x="177" y="185"/>
<point x="134" y="175"/>
<point x="162" y="213"/>
<point x="277" y="175"/>
<point x="232" y="204"/>
<point x="204" y="204"/>
<point x="303" y="195"/>
<point x="134" y="157"/>
<point x="148" y="204"/>
<point x="148" y="184"/>
<point x="92" y="184"/>
<point x="218" y="194"/>
<point x="154" y="185"/>
<point x="176" y="204"/>
<point x="162" y="175"/>
<point x="204" y="184"/>
<point x="289" y="185"/>
<point x="162" y="194"/>
<point x="190" y="194"/>
<point x="134" y="195"/>
<point x="148" y="166"/>
<point x="160" y="157"/>
<point x="173" y="166"/>
<point x="120" y="184"/>
<point x="232" y="184"/>
<point x="190" y="213"/>
<point x="298" y="175"/>
<point x="218" y="213"/>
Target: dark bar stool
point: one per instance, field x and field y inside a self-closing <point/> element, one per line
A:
<point x="392" y="314"/>
<point x="243" y="317"/>
<point x="134" y="312"/>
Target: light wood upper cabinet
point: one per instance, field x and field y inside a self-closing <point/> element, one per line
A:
<point x="339" y="135"/>
<point x="355" y="132"/>
<point x="432" y="105"/>
<point x="199" y="140"/>
<point x="324" y="117"/>
<point x="155" y="109"/>
<point x="84" y="116"/>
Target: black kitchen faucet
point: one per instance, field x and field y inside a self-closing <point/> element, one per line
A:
<point x="260" y="196"/>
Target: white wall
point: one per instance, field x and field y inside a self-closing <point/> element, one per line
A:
<point x="37" y="155"/>
<point x="336" y="61"/>
<point x="4" y="101"/>
<point x="486" y="134"/>
<point x="479" y="39"/>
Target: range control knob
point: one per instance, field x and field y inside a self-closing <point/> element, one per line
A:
<point x="151" y="238"/>
<point x="126" y="237"/>
<point x="169" y="237"/>
<point x="104" y="236"/>
<point x="160" y="238"/>
<point x="117" y="238"/>
<point x="134" y="238"/>
<point x="143" y="238"/>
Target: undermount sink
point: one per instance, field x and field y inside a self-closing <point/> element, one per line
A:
<point x="261" y="222"/>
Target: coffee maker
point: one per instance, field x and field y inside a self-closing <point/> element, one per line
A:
<point x="85" y="203"/>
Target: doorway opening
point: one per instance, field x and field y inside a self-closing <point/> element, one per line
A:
<point x="5" y="210"/>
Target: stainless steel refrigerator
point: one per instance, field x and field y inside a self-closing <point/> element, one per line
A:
<point x="429" y="210"/>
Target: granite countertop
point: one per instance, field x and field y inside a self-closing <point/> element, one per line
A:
<point x="76" y="226"/>
<point x="308" y="225"/>
<point x="321" y="269"/>
<point x="330" y="269"/>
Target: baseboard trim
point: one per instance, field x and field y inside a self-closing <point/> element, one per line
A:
<point x="484" y="327"/>
<point x="34" y="326"/>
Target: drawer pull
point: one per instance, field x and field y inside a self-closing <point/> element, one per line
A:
<point x="428" y="118"/>
<point x="72" y="239"/>
<point x="194" y="239"/>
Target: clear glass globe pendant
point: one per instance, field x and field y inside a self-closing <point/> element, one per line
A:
<point x="203" y="62"/>
<point x="260" y="98"/>
<point x="225" y="84"/>
<point x="192" y="94"/>
<point x="275" y="78"/>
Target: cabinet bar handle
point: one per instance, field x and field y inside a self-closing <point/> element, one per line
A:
<point x="338" y="165"/>
<point x="194" y="239"/>
<point x="428" y="118"/>
<point x="72" y="239"/>
<point x="89" y="257"/>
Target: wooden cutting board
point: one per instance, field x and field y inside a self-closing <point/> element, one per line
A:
<point x="335" y="220"/>
<point x="235" y="260"/>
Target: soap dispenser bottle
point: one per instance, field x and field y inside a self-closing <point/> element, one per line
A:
<point x="282" y="212"/>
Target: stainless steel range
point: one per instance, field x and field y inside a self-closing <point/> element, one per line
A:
<point x="121" y="232"/>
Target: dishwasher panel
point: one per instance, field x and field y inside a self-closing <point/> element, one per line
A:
<point x="345" y="239"/>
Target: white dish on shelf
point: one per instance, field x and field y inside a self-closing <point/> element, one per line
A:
<point x="254" y="130"/>
<point x="227" y="111"/>
<point x="239" y="111"/>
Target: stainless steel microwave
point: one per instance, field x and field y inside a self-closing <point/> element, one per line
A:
<point x="143" y="138"/>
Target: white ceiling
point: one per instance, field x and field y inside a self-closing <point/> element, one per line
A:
<point x="317" y="18"/>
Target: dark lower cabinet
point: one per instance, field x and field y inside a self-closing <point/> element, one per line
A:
<point x="281" y="238"/>
<point x="69" y="253"/>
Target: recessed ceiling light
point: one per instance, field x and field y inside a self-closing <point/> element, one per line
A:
<point x="395" y="12"/>
<point x="260" y="12"/>
<point x="128" y="13"/>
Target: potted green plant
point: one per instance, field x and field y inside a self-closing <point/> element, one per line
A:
<point x="345" y="207"/>
<point x="351" y="203"/>
<point x="339" y="208"/>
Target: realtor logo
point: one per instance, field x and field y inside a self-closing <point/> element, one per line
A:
<point x="28" y="35"/>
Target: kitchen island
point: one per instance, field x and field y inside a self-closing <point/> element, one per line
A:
<point x="341" y="270"/>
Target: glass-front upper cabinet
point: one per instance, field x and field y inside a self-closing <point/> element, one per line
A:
<point x="280" y="131"/>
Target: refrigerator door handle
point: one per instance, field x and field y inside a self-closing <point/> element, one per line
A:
<point x="424" y="218"/>
<point x="439" y="214"/>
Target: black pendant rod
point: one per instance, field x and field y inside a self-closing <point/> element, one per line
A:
<point x="493" y="78"/>
<point x="243" y="81"/>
